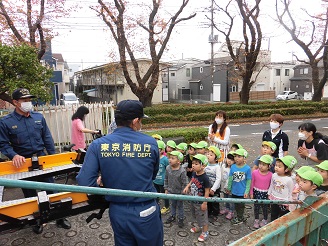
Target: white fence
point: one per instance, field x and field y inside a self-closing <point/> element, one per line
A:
<point x="59" y="120"/>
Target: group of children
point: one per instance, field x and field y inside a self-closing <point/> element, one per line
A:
<point x="193" y="169"/>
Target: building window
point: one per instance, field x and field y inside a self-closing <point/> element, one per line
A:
<point x="286" y="72"/>
<point x="188" y="72"/>
<point x="172" y="74"/>
<point x="306" y="70"/>
<point x="164" y="75"/>
<point x="233" y="88"/>
<point x="277" y="72"/>
<point x="201" y="69"/>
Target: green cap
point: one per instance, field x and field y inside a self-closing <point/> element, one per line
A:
<point x="231" y="155"/>
<point x="272" y="145"/>
<point x="157" y="137"/>
<point x="267" y="159"/>
<point x="323" y="165"/>
<point x="161" y="144"/>
<point x="194" y="145"/>
<point x="304" y="169"/>
<point x="241" y="152"/>
<point x="176" y="153"/>
<point x="237" y="146"/>
<point x="202" y="158"/>
<point x="182" y="146"/>
<point x="171" y="144"/>
<point x="216" y="151"/>
<point x="313" y="176"/>
<point x="202" y="145"/>
<point x="289" y="161"/>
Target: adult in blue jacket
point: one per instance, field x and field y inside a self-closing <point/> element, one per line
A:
<point x="24" y="133"/>
<point x="127" y="159"/>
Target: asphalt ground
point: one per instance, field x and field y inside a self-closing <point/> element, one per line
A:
<point x="99" y="232"/>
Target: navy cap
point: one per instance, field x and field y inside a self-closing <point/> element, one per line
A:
<point x="129" y="110"/>
<point x="21" y="93"/>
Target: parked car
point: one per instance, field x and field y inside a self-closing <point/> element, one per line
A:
<point x="68" y="98"/>
<point x="287" y="95"/>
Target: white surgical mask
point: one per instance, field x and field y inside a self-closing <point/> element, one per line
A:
<point x="219" y="121"/>
<point x="274" y="125"/>
<point x="302" y="136"/>
<point x="26" y="107"/>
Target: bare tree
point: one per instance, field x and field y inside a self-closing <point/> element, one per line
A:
<point x="245" y="56"/>
<point x="22" y="22"/>
<point x="158" y="31"/>
<point x="315" y="48"/>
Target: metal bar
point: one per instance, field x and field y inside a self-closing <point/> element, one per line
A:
<point x="291" y="228"/>
<point x="118" y="192"/>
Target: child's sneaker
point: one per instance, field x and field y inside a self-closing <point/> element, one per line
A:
<point x="170" y="219"/>
<point x="263" y="223"/>
<point x="229" y="215"/>
<point x="180" y="222"/>
<point x="223" y="211"/>
<point x="203" y="236"/>
<point x="165" y="210"/>
<point x="256" y="224"/>
<point x="237" y="221"/>
<point x="195" y="229"/>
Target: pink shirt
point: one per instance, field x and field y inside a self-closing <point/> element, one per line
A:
<point x="77" y="136"/>
<point x="260" y="182"/>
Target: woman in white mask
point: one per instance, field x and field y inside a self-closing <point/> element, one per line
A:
<point x="219" y="134"/>
<point x="276" y="135"/>
<point x="311" y="147"/>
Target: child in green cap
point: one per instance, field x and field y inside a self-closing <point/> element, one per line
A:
<point x="199" y="185"/>
<point x="213" y="171"/>
<point x="174" y="183"/>
<point x="240" y="177"/>
<point x="310" y="181"/>
<point x="323" y="171"/>
<point x="281" y="186"/>
<point x="170" y="146"/>
<point x="261" y="179"/>
<point x="189" y="157"/>
<point x="267" y="148"/>
<point x="160" y="177"/>
<point x="201" y="147"/>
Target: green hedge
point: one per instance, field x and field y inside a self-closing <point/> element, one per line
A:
<point x="190" y="134"/>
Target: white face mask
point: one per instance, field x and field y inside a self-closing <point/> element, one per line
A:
<point x="219" y="121"/>
<point x="274" y="125"/>
<point x="26" y="107"/>
<point x="302" y="136"/>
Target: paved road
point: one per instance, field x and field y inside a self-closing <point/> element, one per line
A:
<point x="99" y="232"/>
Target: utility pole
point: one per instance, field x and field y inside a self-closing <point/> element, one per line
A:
<point x="212" y="39"/>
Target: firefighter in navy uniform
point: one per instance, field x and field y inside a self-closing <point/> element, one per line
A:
<point x="24" y="133"/>
<point x="127" y="159"/>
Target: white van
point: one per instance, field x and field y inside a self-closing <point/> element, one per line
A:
<point x="68" y="98"/>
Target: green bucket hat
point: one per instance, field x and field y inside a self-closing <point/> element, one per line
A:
<point x="237" y="146"/>
<point x="171" y="144"/>
<point x="313" y="176"/>
<point x="202" y="145"/>
<point x="161" y="144"/>
<point x="267" y="159"/>
<point x="202" y="158"/>
<point x="182" y="146"/>
<point x="231" y="155"/>
<point x="272" y="145"/>
<point x="289" y="161"/>
<point x="194" y="145"/>
<point x="216" y="151"/>
<point x="241" y="152"/>
<point x="323" y="165"/>
<point x="304" y="169"/>
<point x="176" y="153"/>
<point x="157" y="137"/>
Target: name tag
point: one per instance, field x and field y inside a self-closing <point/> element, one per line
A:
<point x="148" y="211"/>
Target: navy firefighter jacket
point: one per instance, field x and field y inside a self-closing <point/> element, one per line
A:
<point x="126" y="159"/>
<point x="25" y="135"/>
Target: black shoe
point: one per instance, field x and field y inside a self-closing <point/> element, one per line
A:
<point x="180" y="223"/>
<point x="38" y="229"/>
<point x="63" y="223"/>
<point x="170" y="219"/>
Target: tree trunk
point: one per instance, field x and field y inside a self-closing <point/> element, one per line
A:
<point x="145" y="97"/>
<point x="317" y="91"/>
<point x="244" y="93"/>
